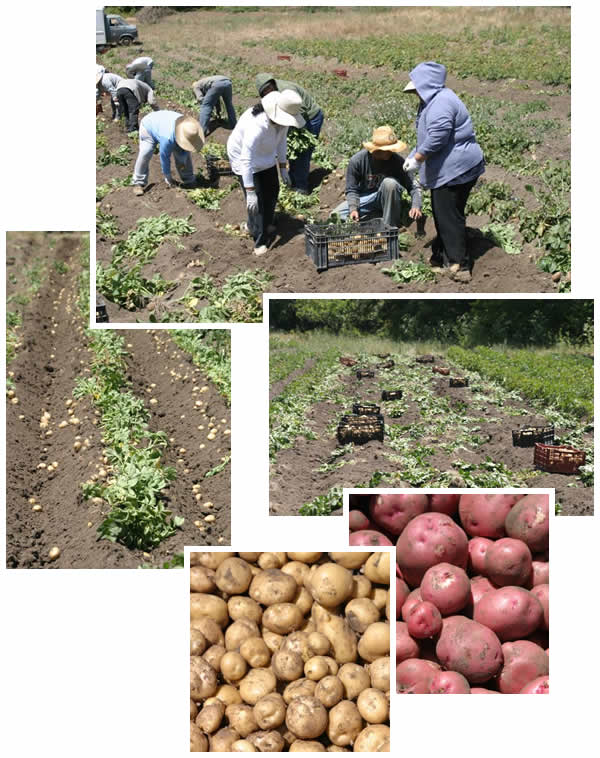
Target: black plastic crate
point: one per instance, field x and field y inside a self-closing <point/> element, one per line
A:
<point x="459" y="381"/>
<point x="365" y="374"/>
<point x="386" y="365"/>
<point x="360" y="429"/>
<point x="330" y="245"/>
<point x="391" y="395"/>
<point x="527" y="436"/>
<point x="217" y="166"/>
<point x="424" y="359"/>
<point x="366" y="409"/>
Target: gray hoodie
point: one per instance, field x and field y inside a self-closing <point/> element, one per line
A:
<point x="142" y="92"/>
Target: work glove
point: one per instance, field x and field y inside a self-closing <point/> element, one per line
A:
<point x="411" y="166"/>
<point x="252" y="201"/>
<point x="285" y="177"/>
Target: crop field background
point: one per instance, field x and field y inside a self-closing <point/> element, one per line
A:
<point x="435" y="435"/>
<point x="118" y="442"/>
<point x="180" y="255"/>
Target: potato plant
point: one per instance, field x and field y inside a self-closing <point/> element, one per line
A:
<point x="472" y="588"/>
<point x="289" y="652"/>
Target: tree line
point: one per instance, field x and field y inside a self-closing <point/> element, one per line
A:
<point x="468" y="322"/>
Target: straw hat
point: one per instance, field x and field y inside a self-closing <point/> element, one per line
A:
<point x="384" y="138"/>
<point x="284" y="108"/>
<point x="189" y="134"/>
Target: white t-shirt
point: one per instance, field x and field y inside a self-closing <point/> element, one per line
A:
<point x="256" y="144"/>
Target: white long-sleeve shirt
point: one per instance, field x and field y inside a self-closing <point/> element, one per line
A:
<point x="256" y="144"/>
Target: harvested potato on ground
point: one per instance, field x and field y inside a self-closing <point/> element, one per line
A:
<point x="289" y="652"/>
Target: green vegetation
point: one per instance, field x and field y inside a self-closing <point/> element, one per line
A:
<point x="402" y="271"/>
<point x="120" y="157"/>
<point x="102" y="190"/>
<point x="143" y="242"/>
<point x="106" y="224"/>
<point x="239" y="299"/>
<point x="502" y="235"/>
<point x="210" y="349"/>
<point x="127" y="287"/>
<point x="209" y="198"/>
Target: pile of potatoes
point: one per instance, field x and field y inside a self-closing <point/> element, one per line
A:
<point x="289" y="652"/>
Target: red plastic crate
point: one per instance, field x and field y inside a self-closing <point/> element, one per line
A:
<point x="558" y="459"/>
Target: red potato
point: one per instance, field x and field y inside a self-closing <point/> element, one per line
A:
<point x="447" y="504"/>
<point x="406" y="646"/>
<point x="539" y="686"/>
<point x="478" y="547"/>
<point x="449" y="683"/>
<point x="447" y="587"/>
<point x="358" y="521"/>
<point x="393" y="512"/>
<point x="413" y="599"/>
<point x="484" y="515"/>
<point x="540" y="573"/>
<point x="424" y="621"/>
<point x="508" y="563"/>
<point x="511" y="612"/>
<point x="469" y="648"/>
<point x="402" y="593"/>
<point x="427" y="540"/>
<point x="479" y="586"/>
<point x="368" y="537"/>
<point x="529" y="521"/>
<point x="414" y="675"/>
<point x="542" y="592"/>
<point x="523" y="662"/>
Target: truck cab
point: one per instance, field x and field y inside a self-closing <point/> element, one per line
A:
<point x="111" y="29"/>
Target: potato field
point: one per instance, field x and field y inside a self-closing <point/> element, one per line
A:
<point x="180" y="255"/>
<point x="118" y="442"/>
<point x="435" y="435"/>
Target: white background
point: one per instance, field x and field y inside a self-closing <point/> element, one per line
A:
<point x="95" y="662"/>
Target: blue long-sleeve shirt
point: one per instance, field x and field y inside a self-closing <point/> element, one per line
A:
<point x="445" y="133"/>
<point x="160" y="125"/>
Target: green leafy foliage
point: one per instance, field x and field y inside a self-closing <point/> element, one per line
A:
<point x="120" y="157"/>
<point x="239" y="299"/>
<point x="402" y="271"/>
<point x="106" y="224"/>
<point x="143" y="242"/>
<point x="503" y="235"/>
<point x="210" y="349"/>
<point x="208" y="198"/>
<point x="298" y="141"/>
<point x="127" y="287"/>
<point x="324" y="505"/>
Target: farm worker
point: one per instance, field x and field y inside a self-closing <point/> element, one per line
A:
<point x="177" y="135"/>
<point x="141" y="68"/>
<point x="375" y="180"/>
<point x="132" y="94"/>
<point x="448" y="160"/>
<point x="255" y="147"/>
<point x="109" y="83"/>
<point x="209" y="91"/>
<point x="99" y="71"/>
<point x="313" y="116"/>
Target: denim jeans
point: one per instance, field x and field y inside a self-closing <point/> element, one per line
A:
<point x="387" y="201"/>
<point x="300" y="166"/>
<point x="183" y="160"/>
<point x="146" y="76"/>
<point x="223" y="90"/>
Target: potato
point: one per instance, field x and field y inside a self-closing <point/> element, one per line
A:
<point x="271" y="560"/>
<point x="484" y="515"/>
<point x="406" y="645"/>
<point x="379" y="671"/>
<point x="198" y="740"/>
<point x="210" y="717"/>
<point x="303" y="600"/>
<point x="249" y="557"/>
<point x="193" y="710"/>
<point x="508" y="562"/>
<point x="296" y="569"/>
<point x="374" y="738"/>
<point x="241" y="718"/>
<point x="203" y="679"/>
<point x="360" y="613"/>
<point x="469" y="648"/>
<point x="209" y="628"/>
<point x="212" y="606"/>
<point x="361" y="586"/>
<point x="267" y="741"/>
<point x="317" y="644"/>
<point x="233" y="576"/>
<point x="375" y="642"/>
<point x="272" y="640"/>
<point x="542" y="592"/>
<point x="529" y="521"/>
<point x="299" y="688"/>
<point x="273" y="586"/>
<point x="341" y="637"/>
<point x="331" y="584"/>
<point x="287" y="666"/>
<point x="256" y="684"/>
<point x="329" y="691"/>
<point x="228" y="694"/>
<point x="239" y="631"/>
<point x="282" y="618"/>
<point x="255" y="652"/>
<point x="202" y="579"/>
<point x="319" y="666"/>
<point x="414" y="598"/>
<point x="210" y="560"/>
<point x="392" y="513"/>
<point x="345" y="723"/>
<point x="221" y="741"/>
<point x="379" y="597"/>
<point x="296" y="642"/>
<point x="305" y="557"/>
<point x="350" y="559"/>
<point x="377" y="568"/>
<point x="269" y="712"/>
<point x="355" y="679"/>
<point x="414" y="675"/>
<point x="478" y="547"/>
<point x="449" y="683"/>
<point x="447" y="587"/>
<point x="511" y="612"/>
<point x="306" y="717"/>
<point x="373" y="706"/>
<point x="198" y="642"/>
<point x="243" y="746"/>
<point x="539" y="686"/>
<point x="233" y="666"/>
<point x="240" y="608"/>
<point x="424" y="621"/>
<point x="307" y="746"/>
<point x="524" y="661"/>
<point x="213" y="656"/>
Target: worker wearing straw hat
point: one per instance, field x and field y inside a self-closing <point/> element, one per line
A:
<point x="448" y="160"/>
<point x="256" y="146"/>
<point x="177" y="135"/>
<point x="375" y="180"/>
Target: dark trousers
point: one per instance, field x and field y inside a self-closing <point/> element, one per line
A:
<point x="448" y="205"/>
<point x="266" y="184"/>
<point x="130" y="107"/>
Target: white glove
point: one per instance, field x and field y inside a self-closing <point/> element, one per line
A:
<point x="285" y="177"/>
<point x="252" y="201"/>
<point x="169" y="181"/>
<point x="411" y="165"/>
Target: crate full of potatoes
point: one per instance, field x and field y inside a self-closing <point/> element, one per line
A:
<point x="329" y="245"/>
